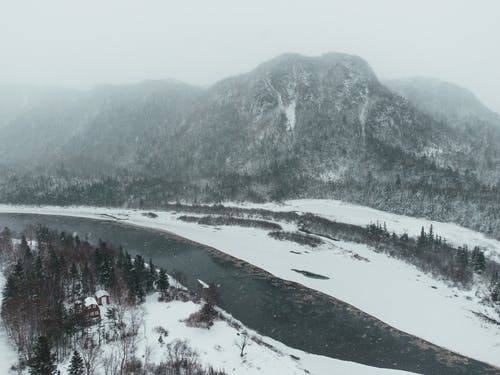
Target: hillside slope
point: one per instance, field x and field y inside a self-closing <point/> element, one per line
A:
<point x="460" y="109"/>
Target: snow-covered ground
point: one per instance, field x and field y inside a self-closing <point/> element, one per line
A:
<point x="386" y="288"/>
<point x="217" y="346"/>
<point x="361" y="215"/>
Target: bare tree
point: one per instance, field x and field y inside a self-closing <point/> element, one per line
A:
<point x="181" y="357"/>
<point x="90" y="352"/>
<point x="242" y="342"/>
<point x="111" y="361"/>
<point x="148" y="352"/>
<point x="128" y="336"/>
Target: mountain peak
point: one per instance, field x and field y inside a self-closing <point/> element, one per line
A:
<point x="351" y="63"/>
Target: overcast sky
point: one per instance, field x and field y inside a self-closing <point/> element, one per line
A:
<point x="82" y="43"/>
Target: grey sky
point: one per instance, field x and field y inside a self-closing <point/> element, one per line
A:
<point x="82" y="43"/>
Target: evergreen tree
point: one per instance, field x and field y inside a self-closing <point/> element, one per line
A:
<point x="211" y="294"/>
<point x="162" y="284"/>
<point x="495" y="292"/>
<point x="10" y="290"/>
<point x="54" y="267"/>
<point x="208" y="313"/>
<point x="76" y="366"/>
<point x="6" y="234"/>
<point x="462" y="262"/>
<point x="24" y="244"/>
<point x="106" y="272"/>
<point x="38" y="271"/>
<point x="18" y="269"/>
<point x="478" y="260"/>
<point x="422" y="238"/>
<point x="44" y="237"/>
<point x="138" y="279"/>
<point x="140" y="294"/>
<point x="495" y="287"/>
<point x="121" y="261"/>
<point x="398" y="181"/>
<point x="87" y="281"/>
<point x="75" y="283"/>
<point x="6" y="240"/>
<point x="151" y="276"/>
<point x="494" y="279"/>
<point x="43" y="361"/>
<point x="97" y="257"/>
<point x="111" y="314"/>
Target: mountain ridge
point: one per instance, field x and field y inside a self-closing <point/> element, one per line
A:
<point x="294" y="126"/>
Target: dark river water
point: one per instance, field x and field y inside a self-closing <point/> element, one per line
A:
<point x="286" y="311"/>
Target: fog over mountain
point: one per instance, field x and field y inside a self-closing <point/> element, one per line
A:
<point x="445" y="100"/>
<point x="82" y="45"/>
<point x="294" y="126"/>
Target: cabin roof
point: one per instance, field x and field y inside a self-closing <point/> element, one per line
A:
<point x="89" y="301"/>
<point x="101" y="293"/>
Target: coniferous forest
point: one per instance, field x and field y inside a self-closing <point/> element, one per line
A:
<point x="49" y="279"/>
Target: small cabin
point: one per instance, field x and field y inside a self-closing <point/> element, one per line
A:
<point x="91" y="309"/>
<point x="102" y="297"/>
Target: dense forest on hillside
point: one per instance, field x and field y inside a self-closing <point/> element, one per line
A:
<point x="52" y="276"/>
<point x="443" y="195"/>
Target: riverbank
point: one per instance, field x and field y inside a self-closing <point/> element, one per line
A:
<point x="399" y="291"/>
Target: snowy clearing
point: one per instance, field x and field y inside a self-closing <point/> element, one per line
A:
<point x="217" y="346"/>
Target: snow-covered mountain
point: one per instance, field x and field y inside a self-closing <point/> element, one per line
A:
<point x="295" y="126"/>
<point x="316" y="116"/>
<point x="445" y="101"/>
<point x="474" y="123"/>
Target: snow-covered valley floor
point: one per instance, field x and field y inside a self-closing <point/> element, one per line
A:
<point x="361" y="215"/>
<point x="394" y="292"/>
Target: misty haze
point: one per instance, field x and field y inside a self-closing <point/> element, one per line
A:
<point x="280" y="187"/>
